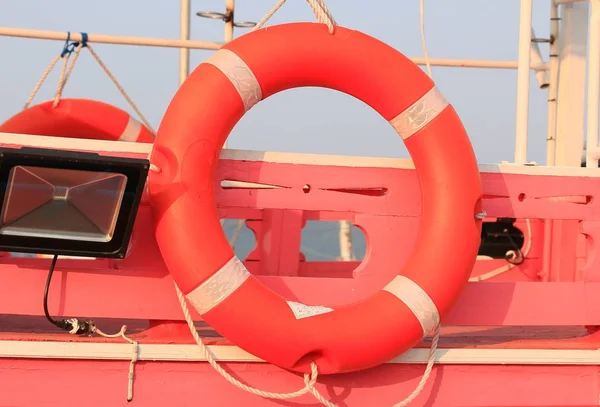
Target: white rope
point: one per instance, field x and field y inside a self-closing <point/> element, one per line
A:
<point x="320" y="10"/>
<point x="66" y="73"/>
<point x="136" y="350"/>
<point x="120" y="88"/>
<point x="309" y="379"/>
<point x="510" y="266"/>
<point x="428" y="369"/>
<point x="423" y="41"/>
<point x="93" y="329"/>
<point x="39" y="84"/>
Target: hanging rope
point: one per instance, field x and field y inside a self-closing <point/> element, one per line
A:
<point x="319" y="8"/>
<point x="120" y="88"/>
<point x="66" y="70"/>
<point x="309" y="379"/>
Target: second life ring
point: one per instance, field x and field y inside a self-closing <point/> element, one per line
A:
<point x="197" y="122"/>
<point x="78" y="118"/>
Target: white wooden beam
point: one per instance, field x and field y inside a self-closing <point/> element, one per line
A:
<point x="191" y="353"/>
<point x="9" y="139"/>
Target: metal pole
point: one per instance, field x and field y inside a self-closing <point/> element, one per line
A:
<point x="346" y="252"/>
<point x="229" y="10"/>
<point x="184" y="35"/>
<point x="108" y="39"/>
<point x="524" y="61"/>
<point x="571" y="83"/>
<point x="593" y="95"/>
<point x="228" y="35"/>
<point x="552" y="86"/>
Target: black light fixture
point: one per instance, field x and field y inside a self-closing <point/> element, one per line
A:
<point x="67" y="202"/>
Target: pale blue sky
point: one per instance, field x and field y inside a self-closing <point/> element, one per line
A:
<point x="302" y="120"/>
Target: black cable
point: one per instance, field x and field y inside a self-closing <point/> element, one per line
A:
<point x="46" y="289"/>
<point x="83" y="327"/>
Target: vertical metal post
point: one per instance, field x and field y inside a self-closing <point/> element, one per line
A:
<point x="229" y="25"/>
<point x="565" y="105"/>
<point x="184" y="34"/>
<point x="572" y="51"/>
<point x="552" y="85"/>
<point x="593" y="90"/>
<point x="523" y="75"/>
<point x="346" y="252"/>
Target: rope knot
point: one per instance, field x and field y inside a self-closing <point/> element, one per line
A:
<point x="311" y="379"/>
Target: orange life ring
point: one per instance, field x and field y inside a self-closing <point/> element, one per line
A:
<point x="78" y="118"/>
<point x="202" y="263"/>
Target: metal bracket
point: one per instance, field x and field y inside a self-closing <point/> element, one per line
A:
<point x="226" y="17"/>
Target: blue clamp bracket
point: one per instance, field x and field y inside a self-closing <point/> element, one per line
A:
<point x="69" y="46"/>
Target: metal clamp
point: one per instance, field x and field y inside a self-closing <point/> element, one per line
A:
<point x="226" y="17"/>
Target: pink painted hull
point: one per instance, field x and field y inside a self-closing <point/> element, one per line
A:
<point x="542" y="304"/>
<point x="101" y="384"/>
<point x="159" y="383"/>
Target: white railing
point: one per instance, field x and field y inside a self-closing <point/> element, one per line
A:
<point x="563" y="76"/>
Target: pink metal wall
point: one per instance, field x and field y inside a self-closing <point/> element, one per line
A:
<point x="557" y="285"/>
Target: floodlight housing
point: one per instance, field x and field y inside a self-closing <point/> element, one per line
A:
<point x="68" y="202"/>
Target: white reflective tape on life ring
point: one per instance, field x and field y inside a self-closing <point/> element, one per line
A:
<point x="417" y="300"/>
<point x="131" y="131"/>
<point x="240" y="75"/>
<point x="420" y="113"/>
<point x="302" y="311"/>
<point x="219" y="286"/>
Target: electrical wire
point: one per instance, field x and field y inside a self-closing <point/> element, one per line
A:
<point x="46" y="289"/>
<point x="73" y="326"/>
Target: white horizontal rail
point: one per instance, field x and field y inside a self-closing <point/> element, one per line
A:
<point x="108" y="39"/>
<point x="63" y="143"/>
<point x="190" y="353"/>
<point x="563" y="2"/>
<point x="159" y="42"/>
<point x="475" y="63"/>
<point x="68" y="143"/>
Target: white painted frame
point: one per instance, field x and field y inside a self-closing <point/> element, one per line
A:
<point x="11" y="139"/>
<point x="224" y="353"/>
